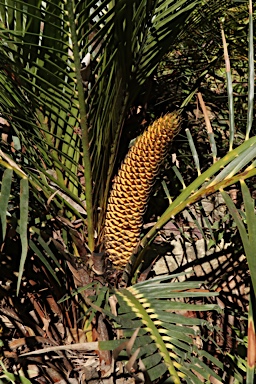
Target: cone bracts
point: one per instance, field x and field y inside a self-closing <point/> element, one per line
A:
<point x="132" y="186"/>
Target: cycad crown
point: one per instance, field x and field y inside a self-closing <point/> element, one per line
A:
<point x="132" y="186"/>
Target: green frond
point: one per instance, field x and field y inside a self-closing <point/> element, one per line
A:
<point x="72" y="130"/>
<point x="43" y="48"/>
<point x="166" y="338"/>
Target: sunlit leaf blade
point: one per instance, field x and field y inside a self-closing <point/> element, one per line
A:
<point x="4" y="199"/>
<point x="23" y="226"/>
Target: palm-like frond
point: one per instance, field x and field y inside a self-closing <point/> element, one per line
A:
<point x="43" y="42"/>
<point x="166" y="341"/>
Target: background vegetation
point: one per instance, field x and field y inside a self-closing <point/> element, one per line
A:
<point x="183" y="310"/>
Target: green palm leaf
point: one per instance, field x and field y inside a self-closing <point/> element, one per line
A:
<point x="43" y="42"/>
<point x="165" y="339"/>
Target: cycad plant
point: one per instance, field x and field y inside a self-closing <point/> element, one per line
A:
<point x="72" y="74"/>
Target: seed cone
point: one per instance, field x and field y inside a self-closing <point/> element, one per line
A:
<point x="132" y="186"/>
